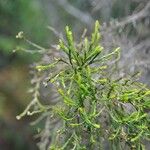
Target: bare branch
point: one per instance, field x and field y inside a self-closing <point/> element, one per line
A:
<point x="78" y="14"/>
<point x="57" y="34"/>
<point x="143" y="13"/>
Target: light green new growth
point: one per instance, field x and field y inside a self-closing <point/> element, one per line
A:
<point x="93" y="107"/>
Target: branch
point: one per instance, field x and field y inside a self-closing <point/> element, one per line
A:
<point x="143" y="13"/>
<point x="57" y="34"/>
<point x="78" y="14"/>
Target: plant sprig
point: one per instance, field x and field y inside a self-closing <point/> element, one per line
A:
<point x="87" y="95"/>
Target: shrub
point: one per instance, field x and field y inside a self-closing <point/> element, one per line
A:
<point x="93" y="108"/>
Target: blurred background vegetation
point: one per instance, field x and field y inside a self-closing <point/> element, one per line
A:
<point x="125" y="23"/>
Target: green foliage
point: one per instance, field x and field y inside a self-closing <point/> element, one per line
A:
<point x="93" y="107"/>
<point x="19" y="14"/>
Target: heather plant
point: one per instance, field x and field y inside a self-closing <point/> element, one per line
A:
<point x="94" y="107"/>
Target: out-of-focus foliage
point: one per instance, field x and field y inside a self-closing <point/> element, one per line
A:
<point x="14" y="83"/>
<point x="15" y="137"/>
<point x="16" y="15"/>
